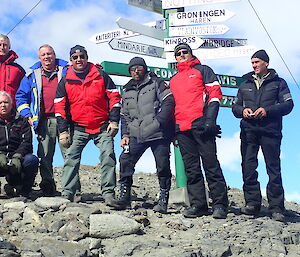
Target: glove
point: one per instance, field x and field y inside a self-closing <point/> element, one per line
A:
<point x="64" y="139"/>
<point x="112" y="128"/>
<point x="15" y="166"/>
<point x="3" y="161"/>
<point x="212" y="129"/>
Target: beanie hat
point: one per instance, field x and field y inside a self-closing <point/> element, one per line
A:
<point x="78" y="49"/>
<point x="261" y="54"/>
<point x="182" y="46"/>
<point x="137" y="61"/>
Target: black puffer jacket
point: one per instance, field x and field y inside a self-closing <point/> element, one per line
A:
<point x="147" y="111"/>
<point x="274" y="96"/>
<point x="15" y="136"/>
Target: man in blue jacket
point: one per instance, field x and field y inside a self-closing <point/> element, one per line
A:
<point x="35" y="101"/>
<point x="261" y="102"/>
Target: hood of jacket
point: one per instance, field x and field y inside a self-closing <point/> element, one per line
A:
<point x="11" y="57"/>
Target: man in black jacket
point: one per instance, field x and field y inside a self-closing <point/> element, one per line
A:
<point x="261" y="102"/>
<point x="17" y="163"/>
<point x="147" y="119"/>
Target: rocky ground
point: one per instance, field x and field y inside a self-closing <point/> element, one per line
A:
<point x="54" y="227"/>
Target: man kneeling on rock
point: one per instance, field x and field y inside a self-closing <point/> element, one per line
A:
<point x="17" y="163"/>
<point x="147" y="122"/>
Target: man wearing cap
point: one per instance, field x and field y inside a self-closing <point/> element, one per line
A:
<point x="88" y="100"/>
<point x="261" y="102"/>
<point x="147" y="122"/>
<point x="35" y="101"/>
<point x="197" y="96"/>
<point x="11" y="73"/>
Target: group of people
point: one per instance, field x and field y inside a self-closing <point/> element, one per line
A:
<point x="79" y="102"/>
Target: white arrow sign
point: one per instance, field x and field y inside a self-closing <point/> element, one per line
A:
<point x="199" y="17"/>
<point x="193" y="41"/>
<point x="223" y="42"/>
<point x="140" y="28"/>
<point x="137" y="48"/>
<point x="217" y="53"/>
<point x="109" y="35"/>
<point x="166" y="4"/>
<point x="198" y="30"/>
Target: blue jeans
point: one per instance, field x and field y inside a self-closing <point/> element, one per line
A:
<point x="70" y="176"/>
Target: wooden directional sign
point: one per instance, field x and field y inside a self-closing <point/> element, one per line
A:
<point x="150" y="5"/>
<point x="193" y="41"/>
<point x="121" y="69"/>
<point x="137" y="48"/>
<point x="217" y="53"/>
<point x="106" y="36"/>
<point x="167" y="4"/>
<point x="199" y="17"/>
<point x="197" y="30"/>
<point x="223" y="42"/>
<point x="140" y="28"/>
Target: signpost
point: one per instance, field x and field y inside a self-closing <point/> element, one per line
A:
<point x="199" y="17"/>
<point x="150" y="5"/>
<point x="193" y="41"/>
<point x="218" y="53"/>
<point x="109" y="35"/>
<point x="167" y="4"/>
<point x="137" y="48"/>
<point x="223" y="42"/>
<point x="140" y="28"/>
<point x="197" y="30"/>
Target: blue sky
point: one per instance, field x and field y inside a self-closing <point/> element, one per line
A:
<point x="64" y="24"/>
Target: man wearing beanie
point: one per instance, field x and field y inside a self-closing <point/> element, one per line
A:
<point x="88" y="102"/>
<point x="147" y="122"/>
<point x="197" y="96"/>
<point x="261" y="102"/>
<point x="35" y="101"/>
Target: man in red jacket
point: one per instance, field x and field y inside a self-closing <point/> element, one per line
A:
<point x="11" y="73"/>
<point x="87" y="100"/>
<point x="197" y="96"/>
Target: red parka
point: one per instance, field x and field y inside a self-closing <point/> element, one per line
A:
<point x="11" y="75"/>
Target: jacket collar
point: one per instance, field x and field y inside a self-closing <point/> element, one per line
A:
<point x="188" y="64"/>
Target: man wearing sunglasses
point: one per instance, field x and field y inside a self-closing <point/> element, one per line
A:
<point x="147" y="122"/>
<point x="197" y="96"/>
<point x="88" y="100"/>
<point x="35" y="101"/>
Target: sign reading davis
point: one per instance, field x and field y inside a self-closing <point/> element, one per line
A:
<point x="121" y="69"/>
<point x="199" y="17"/>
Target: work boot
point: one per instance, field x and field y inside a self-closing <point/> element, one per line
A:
<point x="219" y="213"/>
<point x="250" y="210"/>
<point x="10" y="190"/>
<point x="162" y="204"/>
<point x="48" y="188"/>
<point x="124" y="199"/>
<point x="194" y="212"/>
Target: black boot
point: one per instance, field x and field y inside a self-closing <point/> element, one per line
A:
<point x="162" y="204"/>
<point x="124" y="199"/>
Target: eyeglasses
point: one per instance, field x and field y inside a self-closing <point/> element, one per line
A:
<point x="181" y="52"/>
<point x="137" y="68"/>
<point x="75" y="57"/>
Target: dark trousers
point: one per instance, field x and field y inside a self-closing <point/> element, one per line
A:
<point x="25" y="180"/>
<point x="161" y="152"/>
<point x="193" y="146"/>
<point x="270" y="145"/>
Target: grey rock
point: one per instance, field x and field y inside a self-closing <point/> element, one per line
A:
<point x="31" y="217"/>
<point x="112" y="225"/>
<point x="15" y="205"/>
<point x="50" y="202"/>
<point x="74" y="230"/>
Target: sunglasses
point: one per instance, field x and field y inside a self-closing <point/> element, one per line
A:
<point x="75" y="57"/>
<point x="137" y="68"/>
<point x="181" y="52"/>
